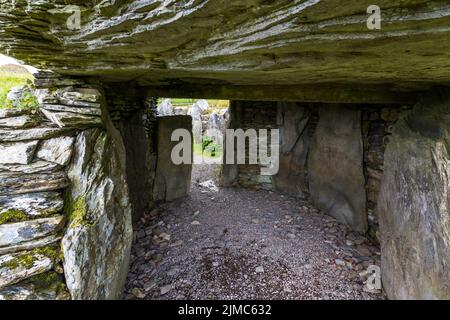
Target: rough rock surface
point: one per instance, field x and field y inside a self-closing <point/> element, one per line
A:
<point x="32" y="244"/>
<point x="172" y="181"/>
<point x="28" y="292"/>
<point x="414" y="203"/>
<point x="57" y="150"/>
<point x="72" y="120"/>
<point x="97" y="242"/>
<point x="8" y="135"/>
<point x="16" y="233"/>
<point x="16" y="183"/>
<point x="34" y="167"/>
<point x="18" y="122"/>
<point x="17" y="153"/>
<point x="235" y="41"/>
<point x="19" y="266"/>
<point x="294" y="144"/>
<point x="335" y="166"/>
<point x="33" y="204"/>
<point x="8" y="113"/>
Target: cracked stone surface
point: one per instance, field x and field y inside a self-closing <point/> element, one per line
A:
<point x="234" y="42"/>
<point x="246" y="244"/>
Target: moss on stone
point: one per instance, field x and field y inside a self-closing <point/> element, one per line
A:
<point x="27" y="260"/>
<point x="46" y="281"/>
<point x="51" y="252"/>
<point x="11" y="216"/>
<point x="76" y="211"/>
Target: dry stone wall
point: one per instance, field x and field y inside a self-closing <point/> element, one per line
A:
<point x="62" y="181"/>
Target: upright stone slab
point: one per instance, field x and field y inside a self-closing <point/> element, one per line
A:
<point x="140" y="163"/>
<point x="335" y="166"/>
<point x="294" y="144"/>
<point x="172" y="180"/>
<point x="97" y="242"/>
<point x="414" y="203"/>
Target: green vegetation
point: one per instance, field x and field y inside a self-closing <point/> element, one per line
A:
<point x="186" y="103"/>
<point x="76" y="211"/>
<point x="208" y="148"/>
<point x="11" y="216"/>
<point x="8" y="80"/>
<point x="28" y="259"/>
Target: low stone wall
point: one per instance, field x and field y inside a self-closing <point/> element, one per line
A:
<point x="65" y="216"/>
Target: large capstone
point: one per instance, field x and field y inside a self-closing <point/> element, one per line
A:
<point x="97" y="241"/>
<point x="414" y="203"/>
<point x="335" y="166"/>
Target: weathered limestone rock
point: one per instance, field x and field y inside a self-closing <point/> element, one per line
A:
<point x="73" y="120"/>
<point x="335" y="166"/>
<point x="34" y="167"/>
<point x="196" y="111"/>
<point x="8" y="113"/>
<point x="89" y="111"/>
<point x="165" y="108"/>
<point x="57" y="150"/>
<point x="172" y="181"/>
<point x="141" y="162"/>
<point x="97" y="241"/>
<point x="17" y="153"/>
<point x="8" y="135"/>
<point x="34" y="205"/>
<point x="67" y="96"/>
<point x="12" y="234"/>
<point x="414" y="203"/>
<point x="18" y="122"/>
<point x="29" y="292"/>
<point x="252" y="44"/>
<point x="19" y="266"/>
<point x="81" y="95"/>
<point x="30" y="245"/>
<point x="294" y="146"/>
<point x="25" y="183"/>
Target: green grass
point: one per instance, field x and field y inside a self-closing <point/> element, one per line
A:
<point x="198" y="151"/>
<point x="9" y="80"/>
<point x="186" y="103"/>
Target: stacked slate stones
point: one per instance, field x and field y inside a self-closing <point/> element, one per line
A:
<point x="36" y="147"/>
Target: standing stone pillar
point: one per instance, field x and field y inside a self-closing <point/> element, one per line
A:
<point x="230" y="172"/>
<point x="414" y="203"/>
<point x="172" y="181"/>
<point x="294" y="146"/>
<point x="335" y="166"/>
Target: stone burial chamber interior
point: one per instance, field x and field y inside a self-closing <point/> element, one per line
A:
<point x="364" y="120"/>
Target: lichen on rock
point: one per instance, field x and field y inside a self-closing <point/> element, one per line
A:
<point x="97" y="242"/>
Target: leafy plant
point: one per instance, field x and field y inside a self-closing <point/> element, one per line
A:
<point x="9" y="80"/>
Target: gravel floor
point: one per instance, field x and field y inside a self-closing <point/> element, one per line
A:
<point x="246" y="244"/>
